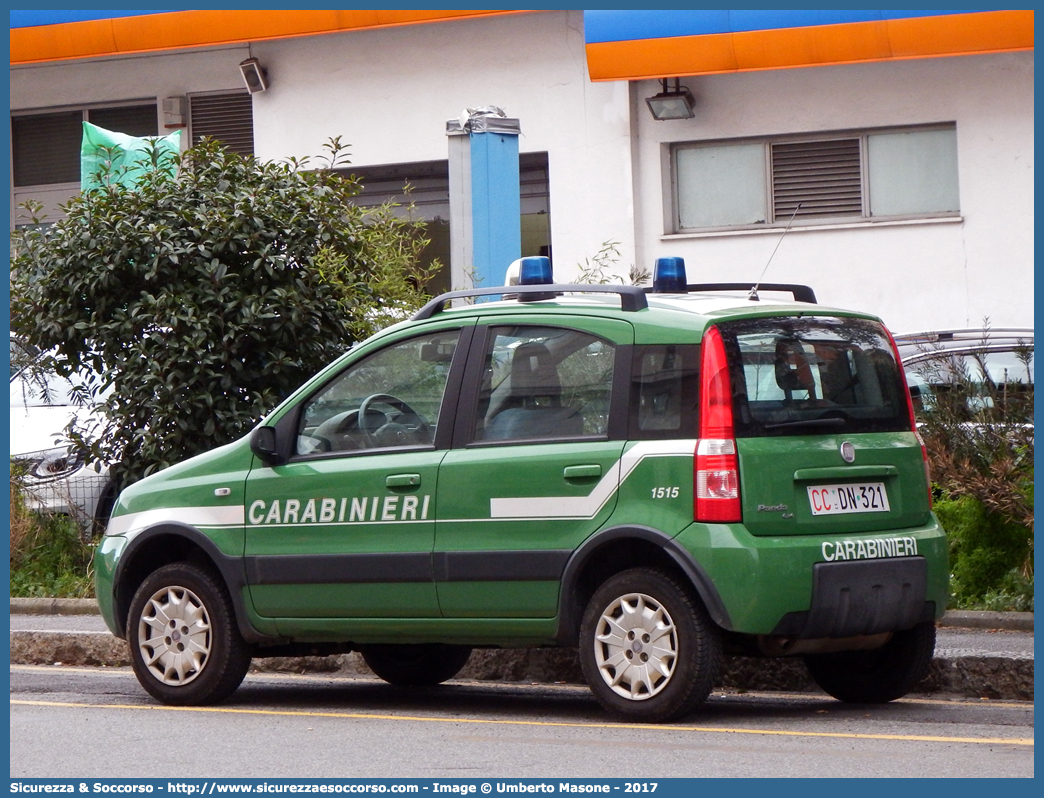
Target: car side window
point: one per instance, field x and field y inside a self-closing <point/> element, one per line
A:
<point x="544" y="383"/>
<point x="664" y="391"/>
<point x="391" y="398"/>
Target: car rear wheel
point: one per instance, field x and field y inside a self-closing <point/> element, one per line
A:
<point x="878" y="676"/>
<point x="647" y="647"/>
<point x="421" y="665"/>
<point x="185" y="646"/>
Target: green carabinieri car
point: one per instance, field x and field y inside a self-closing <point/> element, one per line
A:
<point x="656" y="476"/>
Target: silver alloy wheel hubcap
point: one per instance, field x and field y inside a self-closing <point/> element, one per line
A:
<point x="636" y="646"/>
<point x="174" y="635"/>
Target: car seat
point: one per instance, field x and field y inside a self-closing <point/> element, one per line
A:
<point x="534" y="406"/>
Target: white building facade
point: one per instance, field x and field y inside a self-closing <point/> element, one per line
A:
<point x="944" y="251"/>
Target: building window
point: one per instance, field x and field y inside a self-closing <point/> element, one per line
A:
<point x="428" y="183"/>
<point x="882" y="174"/>
<point x="45" y="153"/>
<point x="46" y="147"/>
<point x="913" y="172"/>
<point x="227" y="117"/>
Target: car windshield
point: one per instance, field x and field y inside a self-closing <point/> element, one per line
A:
<point x="802" y="375"/>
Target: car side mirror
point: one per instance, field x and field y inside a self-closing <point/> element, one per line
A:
<point x="264" y="444"/>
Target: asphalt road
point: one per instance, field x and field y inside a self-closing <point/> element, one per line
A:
<point x="84" y="722"/>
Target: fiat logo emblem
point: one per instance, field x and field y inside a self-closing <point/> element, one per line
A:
<point x="847" y="452"/>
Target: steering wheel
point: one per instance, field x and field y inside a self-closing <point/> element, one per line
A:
<point x="339" y="432"/>
<point x="393" y="431"/>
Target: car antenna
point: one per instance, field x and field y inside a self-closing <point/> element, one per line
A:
<point x="753" y="295"/>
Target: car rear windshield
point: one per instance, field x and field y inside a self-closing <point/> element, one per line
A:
<point x="807" y="375"/>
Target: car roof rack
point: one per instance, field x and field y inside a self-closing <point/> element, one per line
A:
<point x="632" y="298"/>
<point x="801" y="293"/>
<point x="970" y="335"/>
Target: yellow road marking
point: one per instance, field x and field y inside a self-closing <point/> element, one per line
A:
<point x="956" y="701"/>
<point x="558" y="724"/>
<point x="330" y="676"/>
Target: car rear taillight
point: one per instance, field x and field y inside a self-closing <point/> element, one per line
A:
<point x="717" y="466"/>
<point x="913" y="418"/>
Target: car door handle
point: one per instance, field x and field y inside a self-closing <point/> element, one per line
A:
<point x="403" y="480"/>
<point x="845" y="472"/>
<point x="581" y="471"/>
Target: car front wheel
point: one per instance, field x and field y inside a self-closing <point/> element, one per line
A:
<point x="647" y="647"/>
<point x="185" y="646"/>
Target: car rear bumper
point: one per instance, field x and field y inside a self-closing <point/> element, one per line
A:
<point x="824" y="585"/>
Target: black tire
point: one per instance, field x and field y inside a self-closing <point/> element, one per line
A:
<point x="420" y="665"/>
<point x="618" y="669"/>
<point x="878" y="676"/>
<point x="103" y="509"/>
<point x="195" y="654"/>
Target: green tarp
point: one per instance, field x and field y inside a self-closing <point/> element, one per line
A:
<point x="109" y="158"/>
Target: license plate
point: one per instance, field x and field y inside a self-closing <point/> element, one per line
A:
<point x="861" y="497"/>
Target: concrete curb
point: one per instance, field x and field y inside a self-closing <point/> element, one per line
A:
<point x="968" y="619"/>
<point x="996" y="677"/>
<point x="53" y="606"/>
<point x="972" y="619"/>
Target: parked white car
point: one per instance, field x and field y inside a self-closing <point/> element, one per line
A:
<point x="1003" y="357"/>
<point x="55" y="477"/>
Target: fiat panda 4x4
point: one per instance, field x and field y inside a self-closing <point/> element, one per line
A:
<point x="656" y="476"/>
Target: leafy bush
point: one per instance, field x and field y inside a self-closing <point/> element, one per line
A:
<point x="49" y="555"/>
<point x="199" y="295"/>
<point x="1013" y="593"/>
<point x="398" y="277"/>
<point x="597" y="270"/>
<point x="979" y="435"/>
<point x="979" y="431"/>
<point x="987" y="554"/>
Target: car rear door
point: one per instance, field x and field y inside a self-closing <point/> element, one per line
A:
<point x="823" y="428"/>
<point x="534" y="469"/>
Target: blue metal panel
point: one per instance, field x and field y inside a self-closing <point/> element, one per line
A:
<point x="32" y="19"/>
<point x="495" y="205"/>
<point x="621" y="26"/>
<point x="618" y="26"/>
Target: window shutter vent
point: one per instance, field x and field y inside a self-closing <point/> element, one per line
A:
<point x="132" y="120"/>
<point x="229" y="118"/>
<point x="823" y="176"/>
<point x="45" y="148"/>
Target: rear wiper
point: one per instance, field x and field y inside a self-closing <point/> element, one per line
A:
<point x="830" y="423"/>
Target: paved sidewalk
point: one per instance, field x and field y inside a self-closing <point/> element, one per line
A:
<point x="990" y="655"/>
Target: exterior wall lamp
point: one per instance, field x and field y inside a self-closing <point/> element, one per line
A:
<point x="672" y="103"/>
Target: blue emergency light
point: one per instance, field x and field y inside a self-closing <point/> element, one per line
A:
<point x="535" y="270"/>
<point x="669" y="276"/>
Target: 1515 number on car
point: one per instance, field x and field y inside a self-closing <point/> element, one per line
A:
<point x="666" y="492"/>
